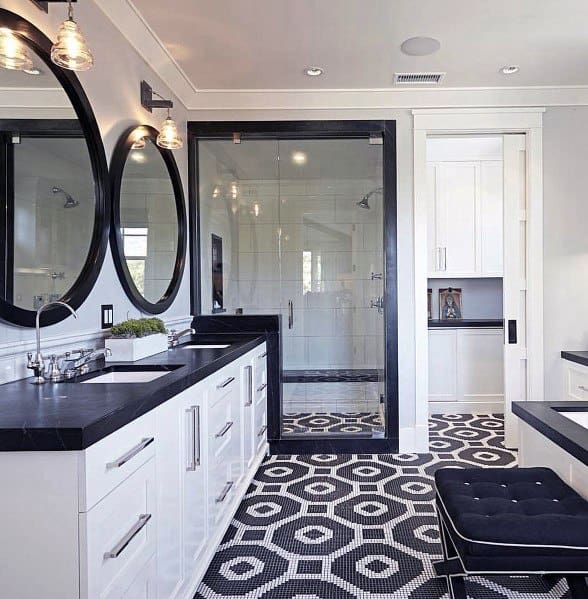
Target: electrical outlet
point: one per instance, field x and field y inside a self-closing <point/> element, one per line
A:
<point x="107" y="311"/>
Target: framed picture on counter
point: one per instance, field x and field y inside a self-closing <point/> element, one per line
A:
<point x="450" y="303"/>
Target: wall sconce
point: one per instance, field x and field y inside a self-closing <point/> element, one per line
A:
<point x="70" y="51"/>
<point x="169" y="137"/>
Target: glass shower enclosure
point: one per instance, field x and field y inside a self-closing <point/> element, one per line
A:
<point x="301" y="225"/>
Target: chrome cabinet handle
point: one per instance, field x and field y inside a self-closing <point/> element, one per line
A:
<point x="261" y="387"/>
<point x="262" y="430"/>
<point x="261" y="356"/>
<point x="224" y="430"/>
<point x="124" y="542"/>
<point x="290" y="314"/>
<point x="249" y="401"/>
<point x="437" y="259"/>
<point x="130" y="454"/>
<point x="194" y="413"/>
<point x="226" y="383"/>
<point x="444" y="259"/>
<point x="224" y="492"/>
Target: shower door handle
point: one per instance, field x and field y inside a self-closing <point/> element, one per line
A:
<point x="290" y="314"/>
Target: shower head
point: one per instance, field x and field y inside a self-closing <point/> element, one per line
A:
<point x="69" y="201"/>
<point x="364" y="202"/>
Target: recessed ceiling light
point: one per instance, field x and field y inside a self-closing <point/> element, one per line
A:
<point x="298" y="157"/>
<point x="314" y="71"/>
<point x="510" y="69"/>
<point x="33" y="71"/>
<point x="420" y="46"/>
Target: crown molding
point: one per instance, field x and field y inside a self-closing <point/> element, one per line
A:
<point x="127" y="18"/>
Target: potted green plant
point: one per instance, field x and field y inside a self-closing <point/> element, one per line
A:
<point x="136" y="338"/>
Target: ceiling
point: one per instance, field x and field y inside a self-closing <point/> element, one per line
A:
<point x="266" y="44"/>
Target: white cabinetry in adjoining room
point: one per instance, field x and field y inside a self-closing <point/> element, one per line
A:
<point x="465" y="212"/>
<point x="466" y="370"/>
<point x="140" y="513"/>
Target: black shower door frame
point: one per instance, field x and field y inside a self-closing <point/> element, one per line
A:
<point x="315" y="130"/>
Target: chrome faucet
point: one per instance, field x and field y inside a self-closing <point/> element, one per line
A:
<point x="173" y="337"/>
<point x="37" y="365"/>
<point x="81" y="365"/>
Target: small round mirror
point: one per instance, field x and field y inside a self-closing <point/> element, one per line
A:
<point x="148" y="232"/>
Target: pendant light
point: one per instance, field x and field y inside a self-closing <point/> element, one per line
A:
<point x="13" y="53"/>
<point x="169" y="137"/>
<point x="70" y="51"/>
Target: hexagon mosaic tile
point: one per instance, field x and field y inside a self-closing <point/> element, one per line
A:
<point x="358" y="526"/>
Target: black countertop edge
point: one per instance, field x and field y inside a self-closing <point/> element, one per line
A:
<point x="579" y="357"/>
<point x="480" y="323"/>
<point x="71" y="416"/>
<point x="545" y="417"/>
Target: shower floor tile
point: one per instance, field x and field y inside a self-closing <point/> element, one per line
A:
<point x="302" y="423"/>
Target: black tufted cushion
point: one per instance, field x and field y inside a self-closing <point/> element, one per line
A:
<point x="521" y="518"/>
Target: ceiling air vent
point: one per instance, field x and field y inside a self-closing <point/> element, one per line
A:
<point x="418" y="78"/>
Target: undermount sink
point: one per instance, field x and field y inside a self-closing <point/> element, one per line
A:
<point x="206" y="346"/>
<point x="130" y="374"/>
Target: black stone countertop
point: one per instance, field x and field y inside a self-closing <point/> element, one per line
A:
<point x="546" y="417"/>
<point x="73" y="416"/>
<point x="579" y="357"/>
<point x="479" y="323"/>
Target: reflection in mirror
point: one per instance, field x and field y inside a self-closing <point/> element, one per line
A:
<point x="148" y="220"/>
<point x="47" y="198"/>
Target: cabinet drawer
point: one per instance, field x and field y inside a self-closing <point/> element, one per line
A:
<point x="222" y="425"/>
<point x="118" y="536"/>
<point x="260" y="425"/>
<point x="221" y="488"/>
<point x="109" y="462"/>
<point x="223" y="384"/>
<point x="260" y="366"/>
<point x="576" y="382"/>
<point x="144" y="585"/>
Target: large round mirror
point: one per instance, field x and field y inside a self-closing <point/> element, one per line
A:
<point x="53" y="181"/>
<point x="148" y="232"/>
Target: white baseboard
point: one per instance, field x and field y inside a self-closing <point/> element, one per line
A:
<point x="466" y="407"/>
<point x="189" y="590"/>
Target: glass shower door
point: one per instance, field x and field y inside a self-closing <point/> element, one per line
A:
<point x="332" y="277"/>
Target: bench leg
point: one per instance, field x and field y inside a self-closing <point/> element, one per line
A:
<point x="451" y="566"/>
<point x="578" y="586"/>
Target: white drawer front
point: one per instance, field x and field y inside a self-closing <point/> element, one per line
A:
<point x="113" y="459"/>
<point x="222" y="427"/>
<point x="260" y="426"/>
<point x="221" y="488"/>
<point x="223" y="383"/>
<point x="144" y="585"/>
<point x="576" y="382"/>
<point x="260" y="365"/>
<point x="118" y="536"/>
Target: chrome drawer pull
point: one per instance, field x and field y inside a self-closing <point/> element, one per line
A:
<point x="130" y="454"/>
<point x="226" y="383"/>
<point x="261" y="387"/>
<point x="224" y="492"/>
<point x="249" y="401"/>
<point x="262" y="430"/>
<point x="225" y="429"/>
<point x="582" y="387"/>
<point x="261" y="356"/>
<point x="124" y="542"/>
<point x="194" y="414"/>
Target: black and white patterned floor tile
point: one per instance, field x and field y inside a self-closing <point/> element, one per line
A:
<point x="357" y="526"/>
<point x="330" y="422"/>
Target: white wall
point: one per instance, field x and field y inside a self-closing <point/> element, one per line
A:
<point x="565" y="180"/>
<point x="112" y="87"/>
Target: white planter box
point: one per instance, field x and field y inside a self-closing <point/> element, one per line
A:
<point x="130" y="350"/>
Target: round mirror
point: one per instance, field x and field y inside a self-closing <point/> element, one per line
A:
<point x="148" y="231"/>
<point x="53" y="207"/>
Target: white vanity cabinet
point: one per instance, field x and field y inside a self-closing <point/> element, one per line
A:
<point x="139" y="514"/>
<point x="466" y="370"/>
<point x="575" y="381"/>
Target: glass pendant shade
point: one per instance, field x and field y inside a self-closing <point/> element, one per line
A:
<point x="169" y="137"/>
<point x="13" y="54"/>
<point x="70" y="51"/>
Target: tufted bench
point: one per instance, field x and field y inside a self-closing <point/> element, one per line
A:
<point x="502" y="521"/>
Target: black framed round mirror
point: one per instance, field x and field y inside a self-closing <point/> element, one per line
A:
<point x="54" y="193"/>
<point x="148" y="232"/>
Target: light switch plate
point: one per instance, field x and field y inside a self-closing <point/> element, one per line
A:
<point x="107" y="315"/>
